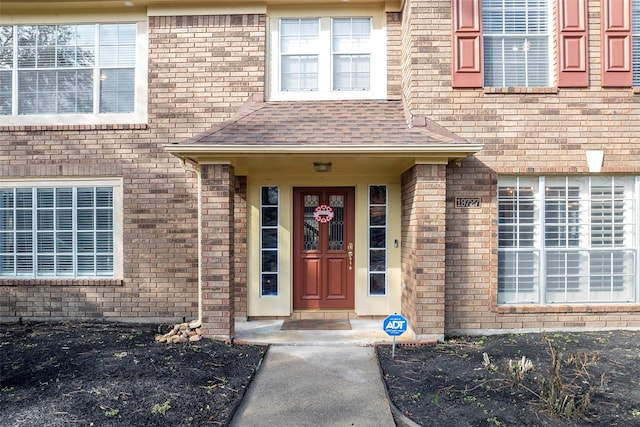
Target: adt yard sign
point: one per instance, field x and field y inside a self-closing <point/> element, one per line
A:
<point x="395" y="325"/>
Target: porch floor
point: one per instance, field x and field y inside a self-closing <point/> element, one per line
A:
<point x="364" y="332"/>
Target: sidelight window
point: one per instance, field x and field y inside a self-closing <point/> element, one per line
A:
<point x="269" y="248"/>
<point x="377" y="240"/>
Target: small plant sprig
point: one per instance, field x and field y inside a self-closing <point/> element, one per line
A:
<point x="161" y="408"/>
<point x="514" y="372"/>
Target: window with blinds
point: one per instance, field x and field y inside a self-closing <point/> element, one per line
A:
<point x="65" y="232"/>
<point x="517" y="43"/>
<point x="67" y="69"/>
<point x="635" y="38"/>
<point x="568" y="240"/>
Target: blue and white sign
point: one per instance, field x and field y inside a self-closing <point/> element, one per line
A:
<point x="395" y="325"/>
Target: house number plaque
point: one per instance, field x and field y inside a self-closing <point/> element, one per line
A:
<point x="467" y="202"/>
<point x="323" y="213"/>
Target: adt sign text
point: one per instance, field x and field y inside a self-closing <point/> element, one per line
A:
<point x="395" y="325"/>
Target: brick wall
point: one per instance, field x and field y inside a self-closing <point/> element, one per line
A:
<point x="218" y="257"/>
<point x="190" y="89"/>
<point x="240" y="246"/>
<point x="409" y="245"/>
<point x="535" y="132"/>
<point x="202" y="68"/>
<point x="423" y="249"/>
<point x="394" y="55"/>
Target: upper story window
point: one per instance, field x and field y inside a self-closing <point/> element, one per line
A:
<point x="636" y="42"/>
<point x="72" y="74"/>
<point x="324" y="57"/>
<point x="516" y="41"/>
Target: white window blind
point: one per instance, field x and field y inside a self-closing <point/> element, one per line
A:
<point x="67" y="69"/>
<point x="519" y="228"/>
<point x="57" y="232"/>
<point x="635" y="29"/>
<point x="516" y="37"/>
<point x="567" y="240"/>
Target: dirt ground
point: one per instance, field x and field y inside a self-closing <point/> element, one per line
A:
<point x="100" y="374"/>
<point x="105" y="374"/>
<point x="453" y="384"/>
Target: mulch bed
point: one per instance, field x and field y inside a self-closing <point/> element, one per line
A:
<point x="453" y="383"/>
<point x="105" y="374"/>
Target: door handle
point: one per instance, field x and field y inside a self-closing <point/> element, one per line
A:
<point x="350" y="255"/>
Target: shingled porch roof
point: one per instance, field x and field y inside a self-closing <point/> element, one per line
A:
<point x="324" y="128"/>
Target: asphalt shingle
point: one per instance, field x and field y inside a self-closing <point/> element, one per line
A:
<point x="324" y="123"/>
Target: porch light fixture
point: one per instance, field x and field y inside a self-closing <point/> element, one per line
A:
<point x="322" y="166"/>
<point x="594" y="160"/>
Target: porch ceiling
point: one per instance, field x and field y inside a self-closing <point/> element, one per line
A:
<point x="355" y="136"/>
<point x="344" y="161"/>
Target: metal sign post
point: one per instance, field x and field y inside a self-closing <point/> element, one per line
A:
<point x="394" y="325"/>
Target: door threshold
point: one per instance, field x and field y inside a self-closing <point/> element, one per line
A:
<point x="321" y="314"/>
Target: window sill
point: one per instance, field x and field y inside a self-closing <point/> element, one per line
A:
<point x="520" y="90"/>
<point x="365" y="95"/>
<point x="35" y="128"/>
<point x="564" y="308"/>
<point x="61" y="282"/>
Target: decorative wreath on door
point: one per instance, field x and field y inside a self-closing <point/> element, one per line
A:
<point x="323" y="213"/>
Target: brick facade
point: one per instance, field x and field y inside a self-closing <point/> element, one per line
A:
<point x="538" y="131"/>
<point x="201" y="69"/>
<point x="190" y="89"/>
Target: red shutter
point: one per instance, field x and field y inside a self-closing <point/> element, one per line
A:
<point x="467" y="43"/>
<point x="616" y="43"/>
<point x="573" y="64"/>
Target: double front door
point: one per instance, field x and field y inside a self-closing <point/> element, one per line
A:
<point x="323" y="248"/>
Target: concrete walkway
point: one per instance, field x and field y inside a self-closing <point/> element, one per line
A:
<point x="316" y="386"/>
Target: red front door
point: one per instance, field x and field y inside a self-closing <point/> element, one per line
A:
<point x="323" y="248"/>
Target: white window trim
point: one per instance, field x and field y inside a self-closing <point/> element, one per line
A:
<point x="139" y="116"/>
<point x="378" y="84"/>
<point x="118" y="211"/>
